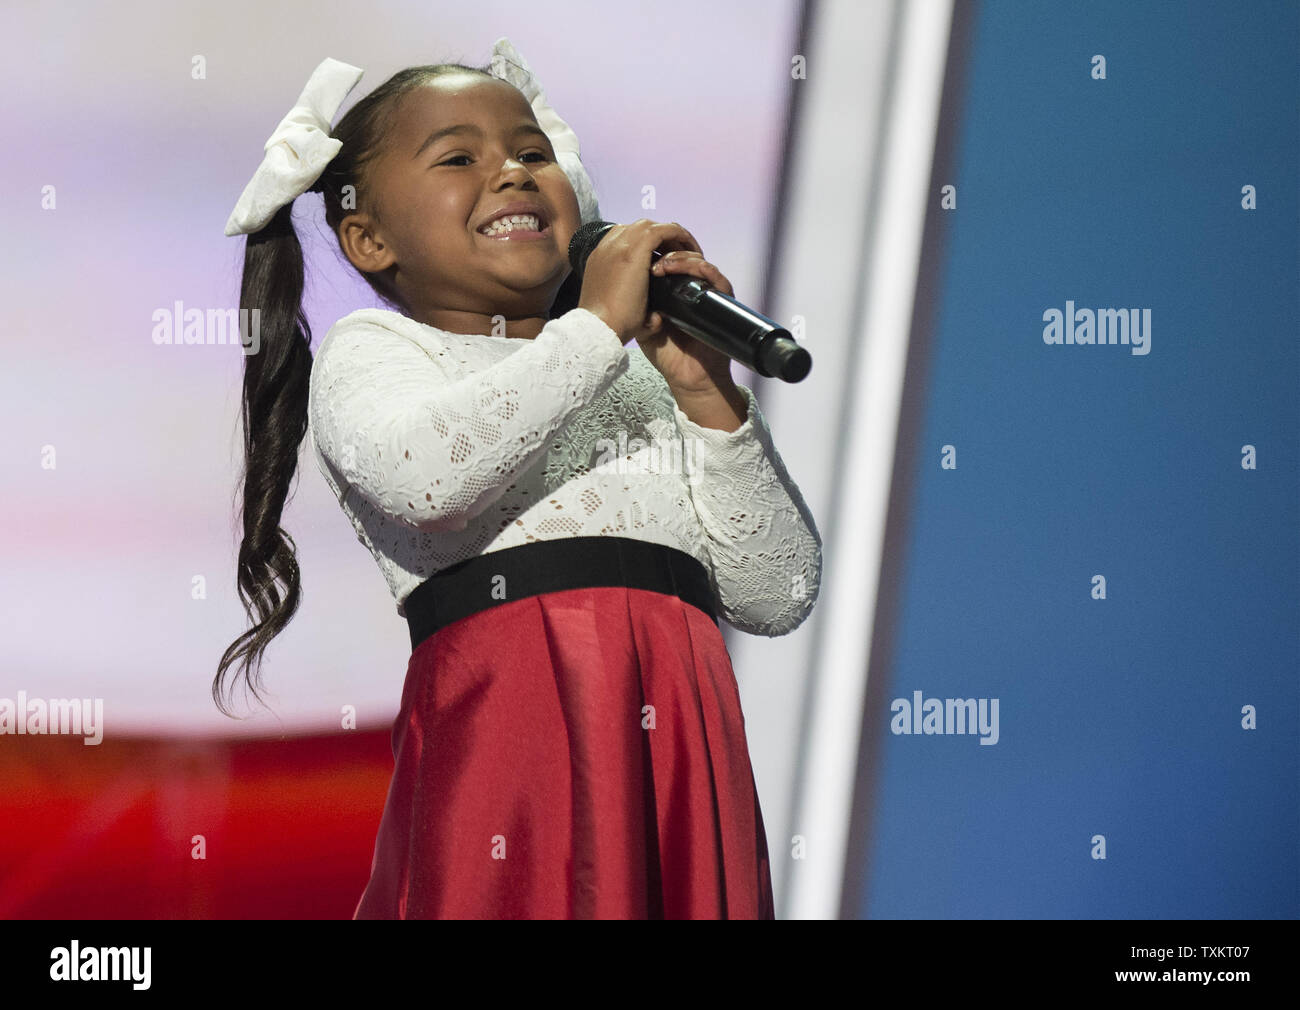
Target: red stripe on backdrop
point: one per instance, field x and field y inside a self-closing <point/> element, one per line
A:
<point x="107" y="831"/>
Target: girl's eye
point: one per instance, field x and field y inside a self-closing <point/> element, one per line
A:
<point x="458" y="157"/>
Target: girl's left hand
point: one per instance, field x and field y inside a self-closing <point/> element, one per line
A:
<point x="689" y="366"/>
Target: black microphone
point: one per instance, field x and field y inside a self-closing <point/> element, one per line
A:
<point x="708" y="315"/>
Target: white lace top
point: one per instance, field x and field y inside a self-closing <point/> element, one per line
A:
<point x="440" y="446"/>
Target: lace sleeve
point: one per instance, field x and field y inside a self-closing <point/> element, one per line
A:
<point x="434" y="449"/>
<point x="761" y="537"/>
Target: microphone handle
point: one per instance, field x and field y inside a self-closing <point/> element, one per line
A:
<point x="711" y="317"/>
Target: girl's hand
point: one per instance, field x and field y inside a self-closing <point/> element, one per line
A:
<point x="616" y="282"/>
<point x="690" y="367"/>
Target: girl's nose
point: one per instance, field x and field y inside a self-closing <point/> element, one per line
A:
<point x="512" y="168"/>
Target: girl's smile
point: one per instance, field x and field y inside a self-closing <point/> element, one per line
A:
<point x="516" y="222"/>
<point x="521" y="234"/>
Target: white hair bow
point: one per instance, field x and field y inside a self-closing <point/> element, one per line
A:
<point x="299" y="149"/>
<point x="301" y="146"/>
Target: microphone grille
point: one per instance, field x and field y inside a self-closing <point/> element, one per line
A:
<point x="584" y="240"/>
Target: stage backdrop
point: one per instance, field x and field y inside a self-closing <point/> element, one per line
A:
<point x="1099" y="544"/>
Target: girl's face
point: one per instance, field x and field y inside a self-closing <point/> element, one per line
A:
<point x="432" y="197"/>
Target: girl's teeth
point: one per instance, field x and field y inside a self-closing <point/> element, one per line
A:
<point x="527" y="222"/>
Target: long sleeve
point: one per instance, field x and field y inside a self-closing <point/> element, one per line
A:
<point x="433" y="448"/>
<point x="761" y="537"/>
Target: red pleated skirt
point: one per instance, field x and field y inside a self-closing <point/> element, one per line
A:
<point x="575" y="755"/>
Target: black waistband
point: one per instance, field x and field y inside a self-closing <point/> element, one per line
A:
<point x="548" y="566"/>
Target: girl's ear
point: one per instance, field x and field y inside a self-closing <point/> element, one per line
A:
<point x="362" y="244"/>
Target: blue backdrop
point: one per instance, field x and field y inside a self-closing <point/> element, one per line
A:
<point x="1119" y="717"/>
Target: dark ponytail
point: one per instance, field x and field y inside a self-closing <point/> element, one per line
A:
<point x="274" y="415"/>
<point x="277" y="376"/>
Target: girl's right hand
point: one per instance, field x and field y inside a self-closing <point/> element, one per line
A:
<point x="616" y="281"/>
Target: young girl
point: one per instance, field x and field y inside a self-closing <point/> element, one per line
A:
<point x="560" y="518"/>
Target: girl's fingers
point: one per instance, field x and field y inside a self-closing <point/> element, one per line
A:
<point x="693" y="263"/>
<point x="689" y="240"/>
<point x="682" y="254"/>
<point x="668" y="234"/>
